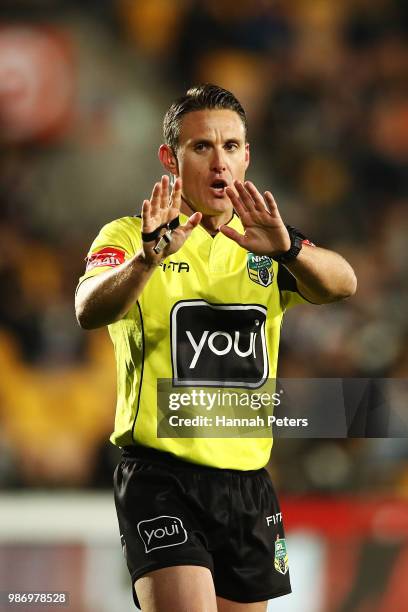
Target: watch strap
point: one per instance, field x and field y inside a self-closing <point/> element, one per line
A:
<point x="296" y="243"/>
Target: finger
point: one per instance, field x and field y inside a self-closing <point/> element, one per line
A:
<point x="237" y="204"/>
<point x="231" y="233"/>
<point x="245" y="197"/>
<point x="191" y="223"/>
<point x="176" y="194"/>
<point x="259" y="202"/>
<point x="164" y="199"/>
<point x="146" y="220"/>
<point x="195" y="219"/>
<point x="155" y="200"/>
<point x="188" y="227"/>
<point x="270" y="201"/>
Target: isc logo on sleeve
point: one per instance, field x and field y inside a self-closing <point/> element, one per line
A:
<point x="220" y="345"/>
<point x="108" y="256"/>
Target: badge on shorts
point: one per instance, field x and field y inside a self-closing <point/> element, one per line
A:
<point x="281" y="556"/>
<point x="260" y="269"/>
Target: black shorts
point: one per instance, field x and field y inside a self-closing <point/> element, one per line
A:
<point x="172" y="512"/>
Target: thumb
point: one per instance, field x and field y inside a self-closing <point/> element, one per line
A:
<point x="234" y="235"/>
<point x="192" y="222"/>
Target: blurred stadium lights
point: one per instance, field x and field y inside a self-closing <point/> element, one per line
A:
<point x="37" y="83"/>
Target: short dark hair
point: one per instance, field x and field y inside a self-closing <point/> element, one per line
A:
<point x="199" y="97"/>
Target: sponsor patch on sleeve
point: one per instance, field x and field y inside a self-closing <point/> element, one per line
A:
<point x="108" y="256"/>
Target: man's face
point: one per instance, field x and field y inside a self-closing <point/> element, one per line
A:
<point x="212" y="153"/>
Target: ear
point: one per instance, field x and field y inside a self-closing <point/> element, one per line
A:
<point x="168" y="159"/>
<point x="247" y="155"/>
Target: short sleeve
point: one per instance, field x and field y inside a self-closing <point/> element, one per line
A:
<point x="117" y="242"/>
<point x="289" y="292"/>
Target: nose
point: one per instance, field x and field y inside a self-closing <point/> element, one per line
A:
<point x="218" y="161"/>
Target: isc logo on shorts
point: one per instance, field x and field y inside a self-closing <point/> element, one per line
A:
<point x="161" y="532"/>
<point x="220" y="345"/>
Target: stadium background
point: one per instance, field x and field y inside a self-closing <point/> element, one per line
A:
<point x="83" y="87"/>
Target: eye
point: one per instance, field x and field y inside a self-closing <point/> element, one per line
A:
<point x="200" y="146"/>
<point x="231" y="146"/>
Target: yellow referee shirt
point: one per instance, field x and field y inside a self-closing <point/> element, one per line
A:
<point x="209" y="316"/>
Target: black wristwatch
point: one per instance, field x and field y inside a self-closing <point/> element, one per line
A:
<point x="296" y="240"/>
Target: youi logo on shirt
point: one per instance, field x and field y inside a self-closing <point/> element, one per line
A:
<point x="161" y="532"/>
<point x="220" y="345"/>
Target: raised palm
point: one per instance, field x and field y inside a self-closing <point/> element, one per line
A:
<point x="265" y="232"/>
<point x="160" y="210"/>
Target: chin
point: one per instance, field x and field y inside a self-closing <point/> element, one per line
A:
<point x="219" y="204"/>
<point x="213" y="206"/>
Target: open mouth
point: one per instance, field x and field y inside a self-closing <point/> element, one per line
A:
<point x="219" y="186"/>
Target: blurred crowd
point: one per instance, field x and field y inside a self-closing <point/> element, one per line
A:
<point x="83" y="88"/>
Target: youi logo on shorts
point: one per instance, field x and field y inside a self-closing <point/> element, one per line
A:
<point x="161" y="532"/>
<point x="220" y="345"/>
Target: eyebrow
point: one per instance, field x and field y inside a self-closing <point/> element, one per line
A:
<point x="209" y="142"/>
<point x="200" y="141"/>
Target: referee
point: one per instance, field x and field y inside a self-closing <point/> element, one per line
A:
<point x="194" y="291"/>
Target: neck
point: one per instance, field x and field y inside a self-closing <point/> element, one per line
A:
<point x="211" y="223"/>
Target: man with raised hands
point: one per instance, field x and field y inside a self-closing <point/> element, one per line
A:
<point x="193" y="291"/>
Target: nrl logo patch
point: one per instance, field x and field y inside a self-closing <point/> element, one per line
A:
<point x="281" y="561"/>
<point x="260" y="269"/>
